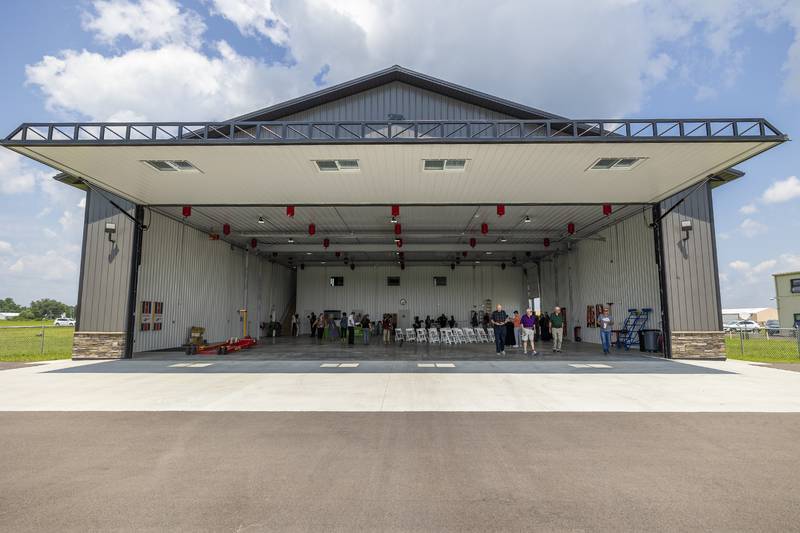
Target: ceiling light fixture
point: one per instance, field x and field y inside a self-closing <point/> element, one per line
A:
<point x="394" y="220"/>
<point x="503" y="239"/>
<point x="291" y="241"/>
<point x="527" y="219"/>
<point x="260" y="220"/>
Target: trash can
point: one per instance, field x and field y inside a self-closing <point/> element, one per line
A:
<point x="648" y="340"/>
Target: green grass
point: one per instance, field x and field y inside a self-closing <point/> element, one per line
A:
<point x="762" y="350"/>
<point x="25" y="344"/>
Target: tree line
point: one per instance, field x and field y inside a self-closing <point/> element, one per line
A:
<point x="38" y="309"/>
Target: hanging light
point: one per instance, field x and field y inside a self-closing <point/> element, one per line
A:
<point x="503" y="239"/>
<point x="398" y="229"/>
<point x="338" y="254"/>
<point x="260" y="220"/>
<point x="187" y="211"/>
<point x="464" y="254"/>
<point x="326" y="243"/>
<point x="226" y="229"/>
<point x="395" y="211"/>
<point x="484" y="228"/>
<point x="571" y="228"/>
<point x="527" y="219"/>
<point x="394" y="220"/>
<point x="501" y="210"/>
<point x="312" y="229"/>
<point x="290" y="241"/>
<point x="290" y="211"/>
<point x="472" y="242"/>
<point x="399" y="242"/>
<point x="607" y="209"/>
<point x="546" y="243"/>
<point x="253" y="244"/>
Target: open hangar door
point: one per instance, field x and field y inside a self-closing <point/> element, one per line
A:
<point x="412" y="260"/>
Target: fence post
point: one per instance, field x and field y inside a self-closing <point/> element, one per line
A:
<point x="741" y="342"/>
<point x="41" y="345"/>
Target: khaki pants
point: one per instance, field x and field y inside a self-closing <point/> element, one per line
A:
<point x="558" y="337"/>
<point x="387" y="335"/>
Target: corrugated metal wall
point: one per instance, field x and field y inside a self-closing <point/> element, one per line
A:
<point x="106" y="266"/>
<point x="692" y="280"/>
<point x="621" y="269"/>
<point x="396" y="98"/>
<point x="365" y="290"/>
<point x="202" y="283"/>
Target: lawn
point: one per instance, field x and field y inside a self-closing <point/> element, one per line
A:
<point x="27" y="344"/>
<point x="761" y="349"/>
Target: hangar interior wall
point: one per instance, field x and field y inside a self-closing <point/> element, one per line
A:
<point x="622" y="269"/>
<point x="204" y="283"/>
<point x="365" y="290"/>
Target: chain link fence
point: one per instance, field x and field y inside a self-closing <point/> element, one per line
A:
<point x="21" y="343"/>
<point x="764" y="343"/>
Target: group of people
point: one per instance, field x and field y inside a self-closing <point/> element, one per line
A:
<point x="325" y="326"/>
<point x="523" y="330"/>
<point x="441" y="322"/>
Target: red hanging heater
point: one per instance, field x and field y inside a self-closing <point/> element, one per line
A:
<point x="398" y="229"/>
<point x="290" y="210"/>
<point x="484" y="228"/>
<point x="253" y="244"/>
<point x="338" y="254"/>
<point x="326" y="243"/>
<point x="501" y="209"/>
<point x="472" y="242"/>
<point x="399" y="243"/>
<point x="547" y="243"/>
<point x="312" y="229"/>
<point x="606" y="209"/>
<point x="571" y="228"/>
<point x="187" y="211"/>
<point x="226" y="229"/>
<point x="395" y="210"/>
<point x="464" y="254"/>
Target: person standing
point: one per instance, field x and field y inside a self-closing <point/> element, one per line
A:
<point x="387" y="329"/>
<point x="528" y="333"/>
<point x="351" y="328"/>
<point x="365" y="325"/>
<point x="473" y="321"/>
<point x="428" y="322"/>
<point x="312" y="320"/>
<point x="499" y="319"/>
<point x="517" y="328"/>
<point x="605" y="322"/>
<point x="295" y="325"/>
<point x="343" y="327"/>
<point x="557" y="329"/>
<point x="452" y="322"/>
<point x="320" y="327"/>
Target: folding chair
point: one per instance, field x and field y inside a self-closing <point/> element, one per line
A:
<point x="447" y="336"/>
<point x="421" y="335"/>
<point x="460" y="337"/>
<point x="398" y="335"/>
<point x="410" y="335"/>
<point x="490" y="334"/>
<point x="433" y="336"/>
<point x="470" y="333"/>
<point x="481" y="335"/>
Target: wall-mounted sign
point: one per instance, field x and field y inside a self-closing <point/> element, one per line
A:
<point x="403" y="302"/>
<point x="152" y="316"/>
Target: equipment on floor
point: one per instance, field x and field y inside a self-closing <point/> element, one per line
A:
<point x="635" y="322"/>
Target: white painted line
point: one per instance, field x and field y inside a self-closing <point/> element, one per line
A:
<point x="329" y="365"/>
<point x="598" y="365"/>
<point x="199" y="365"/>
<point x="348" y="365"/>
<point x="180" y="365"/>
<point x="425" y="365"/>
<point x="445" y="365"/>
<point x="579" y="365"/>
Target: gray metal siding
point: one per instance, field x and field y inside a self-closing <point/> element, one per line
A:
<point x="106" y="266"/>
<point x="621" y="269"/>
<point x="365" y="290"/>
<point x="396" y="98"/>
<point x="692" y="281"/>
<point x="202" y="283"/>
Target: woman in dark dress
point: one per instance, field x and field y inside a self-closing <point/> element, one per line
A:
<point x="510" y="340"/>
<point x="544" y="328"/>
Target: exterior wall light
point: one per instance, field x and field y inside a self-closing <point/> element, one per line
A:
<point x="111" y="231"/>
<point x="686" y="227"/>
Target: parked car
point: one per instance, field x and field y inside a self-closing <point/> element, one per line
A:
<point x="773" y="327"/>
<point x="746" y="325"/>
<point x="64" y="322"/>
<point x="729" y="326"/>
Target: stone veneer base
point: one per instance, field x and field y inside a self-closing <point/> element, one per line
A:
<point x="709" y="345"/>
<point x="98" y="345"/>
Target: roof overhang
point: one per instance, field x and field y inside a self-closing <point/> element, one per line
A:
<point x="525" y="162"/>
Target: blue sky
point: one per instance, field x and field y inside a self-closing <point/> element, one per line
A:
<point x="213" y="59"/>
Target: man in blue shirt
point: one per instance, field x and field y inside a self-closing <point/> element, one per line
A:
<point x="499" y="319"/>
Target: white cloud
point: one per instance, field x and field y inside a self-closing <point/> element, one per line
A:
<point x="16" y="174"/>
<point x="748" y="209"/>
<point x="49" y="233"/>
<point x="253" y="17"/>
<point x="748" y="285"/>
<point x="50" y="266"/>
<point x="751" y="228"/>
<point x="739" y="265"/>
<point x="146" y="22"/>
<point x="6" y="248"/>
<point x="782" y="191"/>
<point x="82" y="203"/>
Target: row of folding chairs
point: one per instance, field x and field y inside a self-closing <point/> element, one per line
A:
<point x="444" y="335"/>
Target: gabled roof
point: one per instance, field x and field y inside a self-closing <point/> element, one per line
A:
<point x="401" y="74"/>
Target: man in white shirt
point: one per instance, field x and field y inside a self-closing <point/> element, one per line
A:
<point x="351" y="328"/>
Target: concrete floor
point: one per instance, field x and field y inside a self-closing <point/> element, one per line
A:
<point x="306" y="349"/>
<point x="399" y="472"/>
